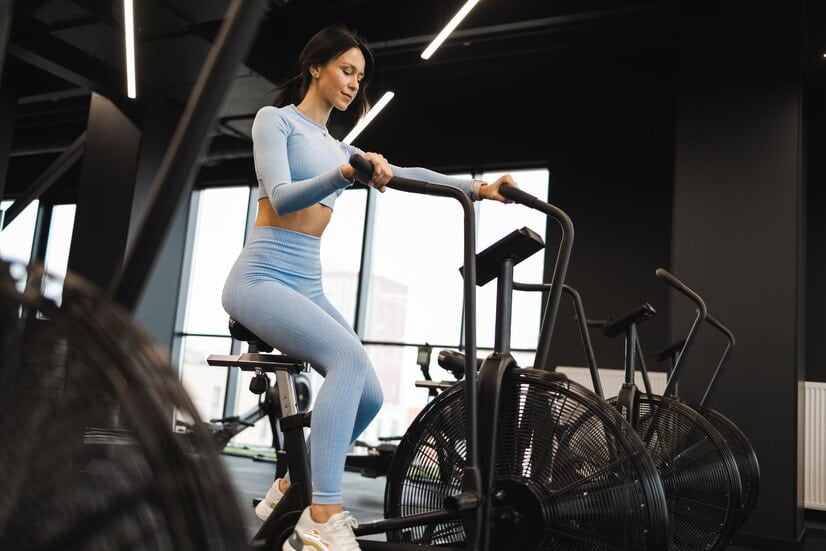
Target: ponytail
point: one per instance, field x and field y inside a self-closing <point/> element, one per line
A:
<point x="291" y="91"/>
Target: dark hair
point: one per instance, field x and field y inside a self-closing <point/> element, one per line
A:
<point x="326" y="45"/>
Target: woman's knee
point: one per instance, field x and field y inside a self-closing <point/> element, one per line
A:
<point x="373" y="397"/>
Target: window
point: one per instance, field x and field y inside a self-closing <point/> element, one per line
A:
<point x="341" y="247"/>
<point x="16" y="239"/>
<point x="415" y="290"/>
<point x="205" y="384"/>
<point x="57" y="248"/>
<point x="496" y="220"/>
<point x="219" y="236"/>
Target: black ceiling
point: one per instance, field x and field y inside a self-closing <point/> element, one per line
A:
<point x="506" y="61"/>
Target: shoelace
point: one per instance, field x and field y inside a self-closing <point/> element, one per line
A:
<point x="342" y="529"/>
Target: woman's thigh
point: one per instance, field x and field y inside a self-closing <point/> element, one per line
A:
<point x="292" y="323"/>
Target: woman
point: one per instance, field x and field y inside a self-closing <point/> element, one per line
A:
<point x="274" y="288"/>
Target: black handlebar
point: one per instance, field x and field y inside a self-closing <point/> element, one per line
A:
<point x="365" y="168"/>
<point x="726" y="354"/>
<point x="702" y="315"/>
<point x="361" y="164"/>
<point x="669" y="278"/>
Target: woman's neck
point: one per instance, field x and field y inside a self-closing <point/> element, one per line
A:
<point x="315" y="109"/>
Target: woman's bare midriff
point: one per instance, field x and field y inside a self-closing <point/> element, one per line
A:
<point x="312" y="220"/>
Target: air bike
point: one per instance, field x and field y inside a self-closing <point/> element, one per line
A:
<point x="508" y="458"/>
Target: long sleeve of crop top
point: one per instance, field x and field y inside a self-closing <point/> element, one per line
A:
<point x="424" y="174"/>
<point x="298" y="164"/>
<point x="270" y="132"/>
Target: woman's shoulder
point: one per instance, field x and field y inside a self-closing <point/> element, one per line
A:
<point x="272" y="117"/>
<point x="270" y="112"/>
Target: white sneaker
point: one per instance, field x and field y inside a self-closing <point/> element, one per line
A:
<point x="266" y="505"/>
<point x="334" y="535"/>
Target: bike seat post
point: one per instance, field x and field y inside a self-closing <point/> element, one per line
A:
<point x="628" y="396"/>
<point x="504" y="307"/>
<point x="286" y="393"/>
<point x="292" y="425"/>
<point x="630" y="352"/>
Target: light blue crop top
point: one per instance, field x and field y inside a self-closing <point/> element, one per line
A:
<point x="297" y="162"/>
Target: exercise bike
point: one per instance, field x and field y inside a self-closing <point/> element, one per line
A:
<point x="520" y="476"/>
<point x="697" y="465"/>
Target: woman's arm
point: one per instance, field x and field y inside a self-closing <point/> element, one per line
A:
<point x="272" y="167"/>
<point x="476" y="189"/>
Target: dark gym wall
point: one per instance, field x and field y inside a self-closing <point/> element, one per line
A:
<point x="603" y="126"/>
<point x="739" y="215"/>
<point x="816" y="222"/>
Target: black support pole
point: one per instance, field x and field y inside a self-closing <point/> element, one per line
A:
<point x="6" y="116"/>
<point x="6" y="9"/>
<point x="173" y="180"/>
<point x="8" y="110"/>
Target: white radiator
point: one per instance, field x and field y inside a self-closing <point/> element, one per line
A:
<point x="815" y="447"/>
<point x="612" y="379"/>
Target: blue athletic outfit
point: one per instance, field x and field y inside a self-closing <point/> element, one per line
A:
<point x="274" y="288"/>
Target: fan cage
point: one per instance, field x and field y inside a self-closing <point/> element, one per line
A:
<point x="91" y="460"/>
<point x="745" y="457"/>
<point x="697" y="469"/>
<point x="570" y="462"/>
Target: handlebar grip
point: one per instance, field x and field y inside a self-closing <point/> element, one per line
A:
<point x="722" y="328"/>
<point x="666" y="276"/>
<point x="515" y="194"/>
<point x="361" y="164"/>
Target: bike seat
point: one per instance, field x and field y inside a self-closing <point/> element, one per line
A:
<point x="241" y="333"/>
<point x="641" y="313"/>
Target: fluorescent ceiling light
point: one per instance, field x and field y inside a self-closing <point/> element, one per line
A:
<point x="371" y="114"/>
<point x="129" y="31"/>
<point x="451" y="25"/>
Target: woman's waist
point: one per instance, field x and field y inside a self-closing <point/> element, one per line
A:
<point x="311" y="221"/>
<point x="273" y="247"/>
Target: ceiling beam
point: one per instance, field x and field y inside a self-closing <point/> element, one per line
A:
<point x="32" y="44"/>
<point x="49" y="176"/>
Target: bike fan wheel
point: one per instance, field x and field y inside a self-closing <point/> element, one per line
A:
<point x="697" y="469"/>
<point x="570" y="474"/>
<point x="94" y="463"/>
<point x="746" y="459"/>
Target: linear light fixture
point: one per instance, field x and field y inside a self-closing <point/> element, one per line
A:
<point x="129" y="32"/>
<point x="371" y="114"/>
<point x="451" y="25"/>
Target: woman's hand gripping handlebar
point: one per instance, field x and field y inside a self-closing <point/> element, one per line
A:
<point x="373" y="170"/>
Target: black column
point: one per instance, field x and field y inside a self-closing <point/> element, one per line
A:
<point x="105" y="193"/>
<point x="8" y="108"/>
<point x="158" y="304"/>
<point x="6" y="12"/>
<point x="738" y="233"/>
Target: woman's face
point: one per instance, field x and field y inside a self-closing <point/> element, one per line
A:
<point x="338" y="81"/>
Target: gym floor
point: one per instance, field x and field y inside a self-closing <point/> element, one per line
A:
<point x="364" y="498"/>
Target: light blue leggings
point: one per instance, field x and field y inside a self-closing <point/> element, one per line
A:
<point x="274" y="289"/>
